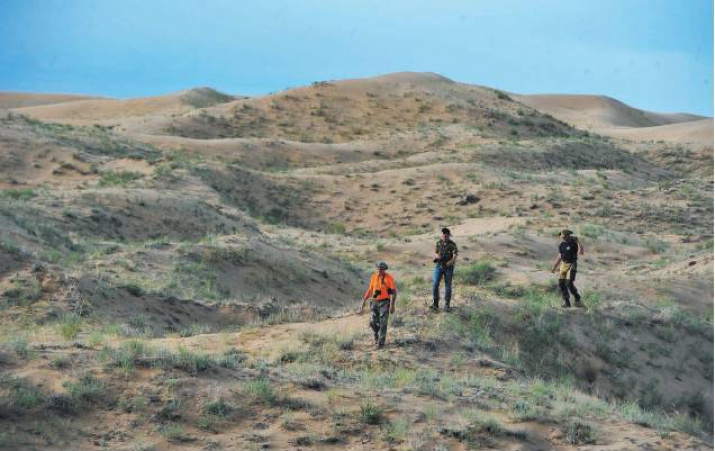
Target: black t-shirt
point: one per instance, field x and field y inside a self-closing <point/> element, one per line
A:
<point x="569" y="250"/>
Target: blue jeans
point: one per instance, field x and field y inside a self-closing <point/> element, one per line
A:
<point x="439" y="273"/>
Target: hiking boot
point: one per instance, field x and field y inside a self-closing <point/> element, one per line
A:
<point x="447" y="308"/>
<point x="579" y="304"/>
<point x="434" y="307"/>
<point x="379" y="346"/>
<point x="376" y="338"/>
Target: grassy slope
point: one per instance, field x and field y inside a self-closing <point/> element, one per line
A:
<point x="159" y="256"/>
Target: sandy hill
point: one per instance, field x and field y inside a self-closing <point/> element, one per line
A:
<point x="182" y="272"/>
<point x="9" y="99"/>
<point x="83" y="112"/>
<point x="599" y="112"/>
<point x="340" y="111"/>
<point x="695" y="132"/>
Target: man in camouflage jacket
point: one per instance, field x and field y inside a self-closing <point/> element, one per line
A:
<point x="445" y="255"/>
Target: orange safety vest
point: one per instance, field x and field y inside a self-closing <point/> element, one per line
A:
<point x="384" y="286"/>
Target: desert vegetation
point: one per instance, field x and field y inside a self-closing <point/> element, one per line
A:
<point x="190" y="281"/>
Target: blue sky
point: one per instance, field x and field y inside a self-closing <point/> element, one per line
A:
<point x="652" y="54"/>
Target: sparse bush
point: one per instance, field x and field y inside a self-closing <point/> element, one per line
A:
<point x="503" y="96"/>
<point x="487" y="424"/>
<point x="260" y="391"/>
<point x="20" y="394"/>
<point x="87" y="390"/>
<point x="196" y="329"/>
<point x="218" y="408"/>
<point x="276" y="215"/>
<point x="289" y="423"/>
<point x="231" y="359"/>
<point x="96" y="338"/>
<point x="579" y="433"/>
<point x="118" y="178"/>
<point x="524" y="411"/>
<point x="370" y="413"/>
<point x="655" y="246"/>
<point x="192" y="362"/>
<point x="19" y="194"/>
<point x="476" y="274"/>
<point x="205" y="423"/>
<point x="345" y="343"/>
<point x="136" y="404"/>
<point x="129" y="353"/>
<point x="396" y="431"/>
<point x="174" y="432"/>
<point x="21" y="345"/>
<point x="336" y="228"/>
<point x="476" y="325"/>
<point x="133" y="289"/>
<point x="60" y="362"/>
<point x="70" y="326"/>
<point x="591" y="231"/>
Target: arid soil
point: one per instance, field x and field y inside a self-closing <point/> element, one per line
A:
<point x="183" y="271"/>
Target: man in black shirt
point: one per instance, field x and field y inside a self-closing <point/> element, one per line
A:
<point x="569" y="250"/>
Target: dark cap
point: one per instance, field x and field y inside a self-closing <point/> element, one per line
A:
<point x="565" y="233"/>
<point x="382" y="265"/>
<point x="446" y="230"/>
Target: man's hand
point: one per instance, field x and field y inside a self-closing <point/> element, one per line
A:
<point x="362" y="308"/>
<point x="392" y="307"/>
<point x="553" y="270"/>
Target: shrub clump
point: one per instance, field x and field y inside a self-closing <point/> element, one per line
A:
<point x="370" y="413"/>
<point x="476" y="274"/>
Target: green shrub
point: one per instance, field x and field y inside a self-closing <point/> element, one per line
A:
<point x="370" y="413"/>
<point x="70" y="326"/>
<point x="21" y="194"/>
<point x="396" y="431"/>
<point x="476" y="274"/>
<point x="133" y="289"/>
<point x="656" y="246"/>
<point x="128" y="354"/>
<point x="218" y="408"/>
<point x="88" y="389"/>
<point x="260" y="391"/>
<point x="591" y="231"/>
<point x="231" y="359"/>
<point x="118" y="178"/>
<point x="21" y="394"/>
<point x="24" y="291"/>
<point x="21" y="345"/>
<point x="205" y="423"/>
<point x="336" y="228"/>
<point x="60" y="362"/>
<point x="136" y="404"/>
<point x="475" y="325"/>
<point x="487" y="424"/>
<point x="192" y="362"/>
<point x="174" y="432"/>
<point x="579" y="433"/>
<point x="196" y="329"/>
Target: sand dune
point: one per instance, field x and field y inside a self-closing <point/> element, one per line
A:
<point x="10" y="99"/>
<point x="599" y="112"/>
<point x="101" y="109"/>
<point x="695" y="132"/>
<point x="182" y="271"/>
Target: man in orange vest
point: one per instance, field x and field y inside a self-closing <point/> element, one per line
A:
<point x="383" y="292"/>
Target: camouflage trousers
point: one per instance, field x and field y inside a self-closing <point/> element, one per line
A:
<point x="379" y="314"/>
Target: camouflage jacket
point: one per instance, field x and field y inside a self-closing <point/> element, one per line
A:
<point x="446" y="250"/>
